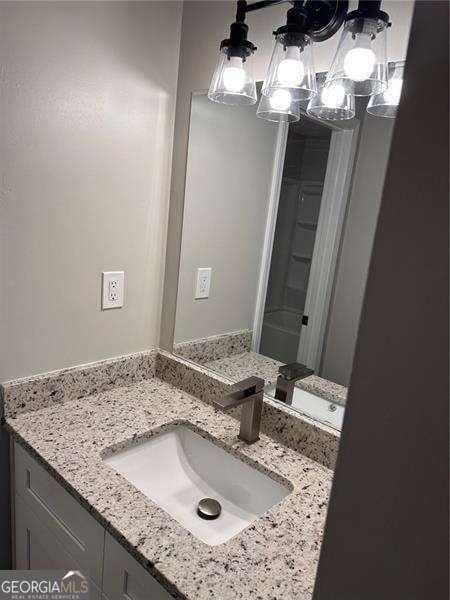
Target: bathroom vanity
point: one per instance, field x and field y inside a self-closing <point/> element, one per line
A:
<point x="80" y="503"/>
<point x="53" y="530"/>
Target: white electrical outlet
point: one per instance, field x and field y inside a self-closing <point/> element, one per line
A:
<point x="112" y="289"/>
<point x="203" y="283"/>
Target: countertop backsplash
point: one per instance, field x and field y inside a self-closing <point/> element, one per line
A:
<point x="283" y="424"/>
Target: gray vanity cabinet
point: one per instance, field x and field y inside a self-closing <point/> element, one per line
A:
<point x="37" y="547"/>
<point x="53" y="531"/>
<point x="60" y="515"/>
<point x="125" y="579"/>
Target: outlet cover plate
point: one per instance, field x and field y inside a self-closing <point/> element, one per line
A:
<point x="203" y="283"/>
<point x="112" y="289"/>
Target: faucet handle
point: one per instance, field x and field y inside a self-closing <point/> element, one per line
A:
<point x="241" y="392"/>
<point x="294" y="371"/>
<point x="249" y="386"/>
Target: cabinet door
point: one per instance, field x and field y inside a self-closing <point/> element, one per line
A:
<point x="38" y="549"/>
<point x="125" y="579"/>
<point x="81" y="536"/>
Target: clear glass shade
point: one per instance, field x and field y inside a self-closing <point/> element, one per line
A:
<point x="231" y="82"/>
<point x="291" y="68"/>
<point x="360" y="62"/>
<point x="386" y="104"/>
<point x="279" y="106"/>
<point x="332" y="103"/>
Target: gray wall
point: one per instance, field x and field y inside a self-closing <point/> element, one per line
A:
<point x="204" y="25"/>
<point x="229" y="168"/>
<point x="386" y="535"/>
<point x="86" y="115"/>
<point x="363" y="206"/>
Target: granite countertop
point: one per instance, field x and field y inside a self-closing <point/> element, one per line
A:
<point x="245" y="364"/>
<point x="274" y="558"/>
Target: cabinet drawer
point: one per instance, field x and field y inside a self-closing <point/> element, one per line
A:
<point x="38" y="549"/>
<point x="77" y="531"/>
<point x="125" y="579"/>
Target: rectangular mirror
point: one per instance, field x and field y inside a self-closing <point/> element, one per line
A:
<point x="279" y="220"/>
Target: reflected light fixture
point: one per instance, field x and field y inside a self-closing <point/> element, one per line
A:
<point x="386" y="103"/>
<point x="360" y="62"/>
<point x="278" y="107"/>
<point x="332" y="103"/>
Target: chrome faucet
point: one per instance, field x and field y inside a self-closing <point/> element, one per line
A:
<point x="288" y="375"/>
<point x="249" y="393"/>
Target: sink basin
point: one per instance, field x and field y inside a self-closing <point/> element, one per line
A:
<point x="178" y="468"/>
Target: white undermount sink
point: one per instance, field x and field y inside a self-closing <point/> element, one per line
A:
<point x="178" y="468"/>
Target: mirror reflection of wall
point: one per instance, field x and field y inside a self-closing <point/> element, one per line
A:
<point x="284" y="217"/>
<point x="228" y="177"/>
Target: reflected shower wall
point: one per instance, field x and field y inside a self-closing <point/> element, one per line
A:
<point x="304" y="171"/>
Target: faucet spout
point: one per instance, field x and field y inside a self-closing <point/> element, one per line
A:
<point x="249" y="394"/>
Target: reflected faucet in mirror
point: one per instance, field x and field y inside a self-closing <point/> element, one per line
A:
<point x="288" y="376"/>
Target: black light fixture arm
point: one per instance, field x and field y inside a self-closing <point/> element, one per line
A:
<point x="320" y="19"/>
<point x="261" y="4"/>
<point x="324" y="17"/>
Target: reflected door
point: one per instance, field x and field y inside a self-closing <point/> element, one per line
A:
<point x="293" y="246"/>
<point x="309" y="217"/>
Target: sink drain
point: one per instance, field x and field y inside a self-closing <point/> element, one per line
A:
<point x="209" y="509"/>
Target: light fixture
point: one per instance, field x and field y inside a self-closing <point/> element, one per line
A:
<point x="291" y="67"/>
<point x="386" y="103"/>
<point x="359" y="67"/>
<point x="231" y="82"/>
<point x="332" y="103"/>
<point x="279" y="107"/>
<point x="360" y="62"/>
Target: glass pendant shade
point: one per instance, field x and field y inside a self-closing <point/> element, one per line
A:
<point x="291" y="67"/>
<point x="231" y="82"/>
<point x="386" y="104"/>
<point x="360" y="62"/>
<point x="279" y="106"/>
<point x="332" y="104"/>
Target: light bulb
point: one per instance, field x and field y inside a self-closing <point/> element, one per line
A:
<point x="394" y="91"/>
<point x="234" y="75"/>
<point x="280" y="100"/>
<point x="333" y="96"/>
<point x="359" y="62"/>
<point x="291" y="71"/>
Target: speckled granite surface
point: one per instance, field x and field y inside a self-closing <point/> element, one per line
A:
<point x="248" y="363"/>
<point x="244" y="365"/>
<point x="38" y="391"/>
<point x="215" y="347"/>
<point x="275" y="558"/>
<point x="282" y="423"/>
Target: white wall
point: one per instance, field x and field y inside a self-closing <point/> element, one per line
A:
<point x="228" y="174"/>
<point x="205" y="24"/>
<point x="86" y="114"/>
